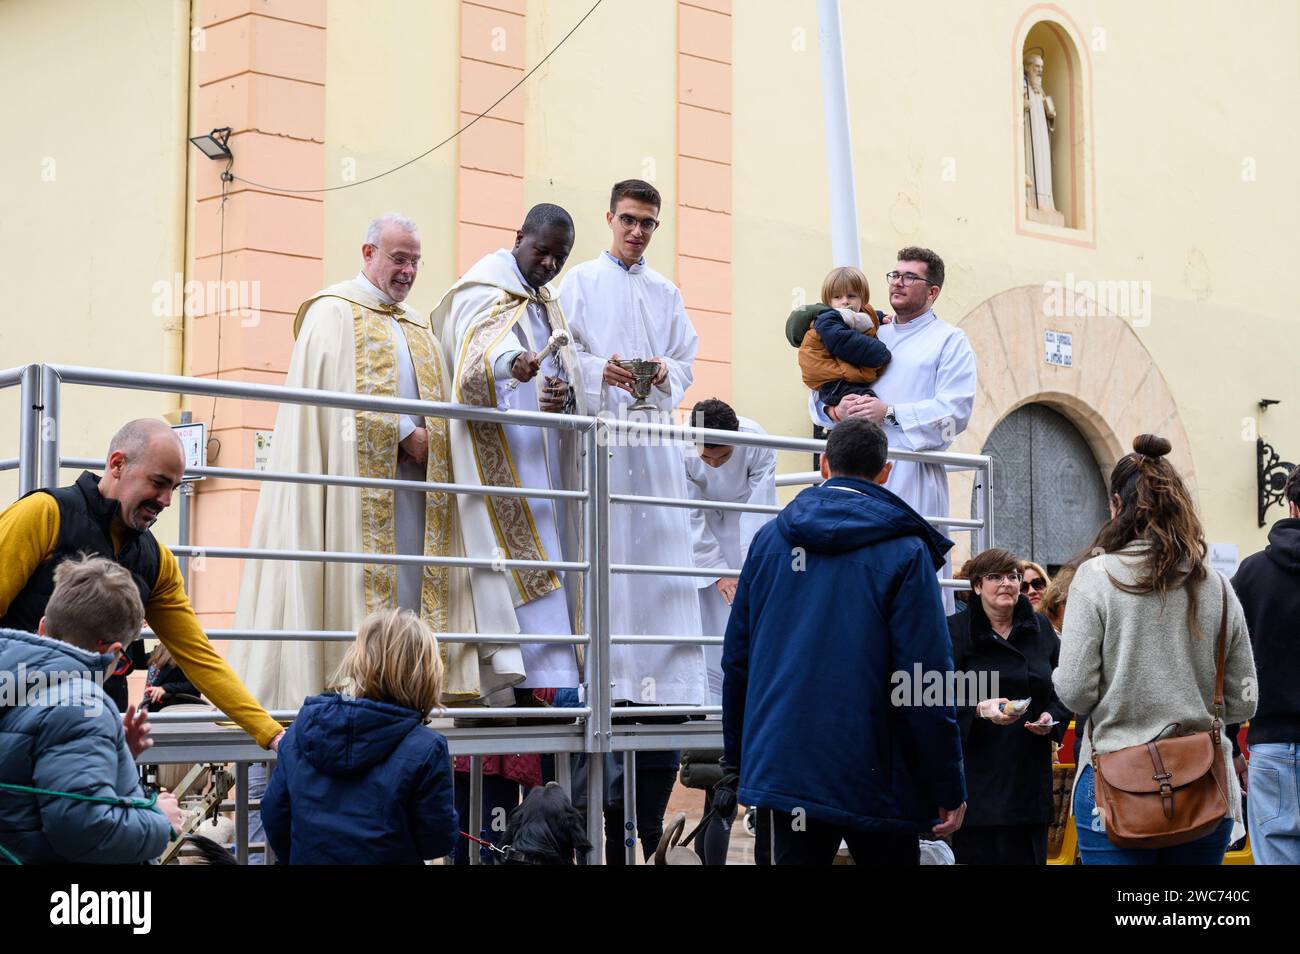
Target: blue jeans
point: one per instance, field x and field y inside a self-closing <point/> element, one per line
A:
<point x="258" y="775"/>
<point x="1095" y="848"/>
<point x="1274" y="803"/>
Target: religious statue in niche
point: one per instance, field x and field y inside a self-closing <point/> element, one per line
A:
<point x="1040" y="121"/>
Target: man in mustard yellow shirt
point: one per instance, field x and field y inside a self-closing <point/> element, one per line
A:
<point x="110" y="516"/>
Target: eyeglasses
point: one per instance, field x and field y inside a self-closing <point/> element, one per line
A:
<point x="1037" y="583"/>
<point x="906" y="279"/>
<point x="401" y="261"/>
<point x="630" y="222"/>
<point x="997" y="579"/>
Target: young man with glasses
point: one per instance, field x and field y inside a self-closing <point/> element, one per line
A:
<point x="619" y="307"/>
<point x="925" y="400"/>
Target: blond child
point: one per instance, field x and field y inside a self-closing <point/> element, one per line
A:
<point x="361" y="779"/>
<point x="838" y="350"/>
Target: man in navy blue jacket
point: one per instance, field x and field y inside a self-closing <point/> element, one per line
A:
<point x="837" y="597"/>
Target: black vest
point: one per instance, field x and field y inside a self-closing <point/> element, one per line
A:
<point x="85" y="526"/>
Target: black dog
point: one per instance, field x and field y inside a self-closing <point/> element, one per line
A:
<point x="546" y="829"/>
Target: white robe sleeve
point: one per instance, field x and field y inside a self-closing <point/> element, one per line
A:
<point x="503" y="357"/>
<point x="705" y="547"/>
<point x="680" y="355"/>
<point x="934" y="424"/>
<point x="504" y="360"/>
<point x="576" y="307"/>
<point x="762" y="491"/>
<point x="817" y="411"/>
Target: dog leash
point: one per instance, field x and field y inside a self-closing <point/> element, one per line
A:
<point x="119" y="802"/>
<point x="487" y="844"/>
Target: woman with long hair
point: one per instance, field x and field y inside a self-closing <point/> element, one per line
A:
<point x="166" y="681"/>
<point x="1033" y="582"/>
<point x="1139" y="643"/>
<point x="1055" y="596"/>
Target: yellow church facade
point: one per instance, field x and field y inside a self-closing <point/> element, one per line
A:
<point x="1152" y="299"/>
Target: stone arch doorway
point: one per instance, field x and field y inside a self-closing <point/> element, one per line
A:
<point x="1110" y="391"/>
<point x="1049" y="495"/>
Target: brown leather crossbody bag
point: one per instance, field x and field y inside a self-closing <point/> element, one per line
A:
<point x="1168" y="791"/>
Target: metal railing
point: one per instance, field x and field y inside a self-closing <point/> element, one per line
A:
<point x="28" y="381"/>
<point x="191" y="737"/>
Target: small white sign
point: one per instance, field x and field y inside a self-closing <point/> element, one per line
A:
<point x="261" y="449"/>
<point x="194" y="439"/>
<point x="1223" y="557"/>
<point x="1058" y="348"/>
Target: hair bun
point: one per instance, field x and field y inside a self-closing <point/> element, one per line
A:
<point x="1149" y="445"/>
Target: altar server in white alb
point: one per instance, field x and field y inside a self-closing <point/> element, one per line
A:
<point x="619" y="307"/>
<point x="728" y="473"/>
<point x="924" y="398"/>
<point x="501" y="329"/>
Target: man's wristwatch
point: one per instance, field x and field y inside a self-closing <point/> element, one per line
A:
<point x="890" y="417"/>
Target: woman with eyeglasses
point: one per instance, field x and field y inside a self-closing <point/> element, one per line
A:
<point x="1003" y="654"/>
<point x="1034" y="581"/>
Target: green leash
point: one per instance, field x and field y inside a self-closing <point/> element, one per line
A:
<point x="151" y="802"/>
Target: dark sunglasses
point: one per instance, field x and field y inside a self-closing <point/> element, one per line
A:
<point x="1037" y="583"/>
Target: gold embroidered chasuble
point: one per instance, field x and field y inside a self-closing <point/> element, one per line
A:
<point x="474" y="322"/>
<point x="346" y="341"/>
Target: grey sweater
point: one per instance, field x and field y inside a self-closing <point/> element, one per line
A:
<point x="1129" y="662"/>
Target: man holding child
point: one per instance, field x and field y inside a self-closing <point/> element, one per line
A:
<point x="923" y="399"/>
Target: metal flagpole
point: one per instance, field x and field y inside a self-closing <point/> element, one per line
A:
<point x="845" y="246"/>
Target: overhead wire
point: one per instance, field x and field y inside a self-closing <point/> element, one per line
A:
<point x="351" y="185"/>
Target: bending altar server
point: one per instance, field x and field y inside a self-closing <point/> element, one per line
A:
<point x="924" y="400"/>
<point x="494" y="324"/>
<point x="617" y="307"/>
<point x="358" y="336"/>
<point x="728" y="473"/>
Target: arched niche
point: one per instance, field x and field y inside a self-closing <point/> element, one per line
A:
<point x="1066" y="78"/>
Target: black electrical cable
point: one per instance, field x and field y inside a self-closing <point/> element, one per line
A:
<point x="450" y="138"/>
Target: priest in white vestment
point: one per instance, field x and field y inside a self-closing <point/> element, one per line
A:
<point x="730" y="473"/>
<point x="358" y="336"/>
<point x="494" y="325"/>
<point x="924" y="399"/>
<point x="619" y="307"/>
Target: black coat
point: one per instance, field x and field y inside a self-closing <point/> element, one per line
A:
<point x="1008" y="768"/>
<point x="1268" y="585"/>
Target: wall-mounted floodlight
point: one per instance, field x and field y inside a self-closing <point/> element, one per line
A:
<point x="215" y="145"/>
